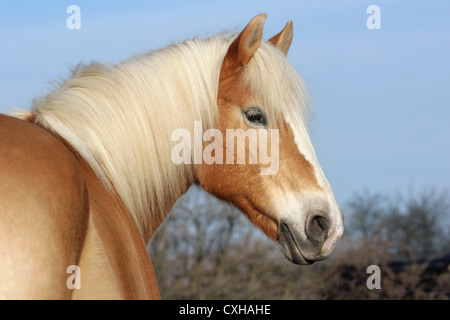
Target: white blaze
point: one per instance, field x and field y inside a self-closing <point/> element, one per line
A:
<point x="305" y="147"/>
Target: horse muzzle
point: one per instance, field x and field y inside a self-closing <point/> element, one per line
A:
<point x="312" y="240"/>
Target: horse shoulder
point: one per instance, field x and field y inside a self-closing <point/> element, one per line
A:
<point x="43" y="212"/>
<point x="115" y="263"/>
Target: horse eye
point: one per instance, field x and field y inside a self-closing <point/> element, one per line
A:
<point x="256" y="116"/>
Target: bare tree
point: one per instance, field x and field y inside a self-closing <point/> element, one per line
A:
<point x="366" y="214"/>
<point x="410" y="227"/>
<point x="418" y="226"/>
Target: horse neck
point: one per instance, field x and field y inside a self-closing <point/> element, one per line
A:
<point x="120" y="120"/>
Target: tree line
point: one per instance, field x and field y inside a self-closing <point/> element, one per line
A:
<point x="207" y="249"/>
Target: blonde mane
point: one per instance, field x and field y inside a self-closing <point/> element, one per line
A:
<point x="120" y="118"/>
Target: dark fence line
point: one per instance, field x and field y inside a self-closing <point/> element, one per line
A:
<point x="436" y="265"/>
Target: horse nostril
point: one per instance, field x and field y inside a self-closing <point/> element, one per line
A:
<point x="317" y="228"/>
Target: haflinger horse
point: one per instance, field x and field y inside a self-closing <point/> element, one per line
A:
<point x="86" y="176"/>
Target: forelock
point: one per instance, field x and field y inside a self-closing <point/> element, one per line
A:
<point x="272" y="78"/>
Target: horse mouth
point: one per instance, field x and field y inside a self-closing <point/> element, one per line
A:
<point x="290" y="247"/>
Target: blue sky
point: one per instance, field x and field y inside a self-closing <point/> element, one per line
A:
<point x="381" y="98"/>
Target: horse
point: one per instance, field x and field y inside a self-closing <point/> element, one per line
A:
<point x="87" y="175"/>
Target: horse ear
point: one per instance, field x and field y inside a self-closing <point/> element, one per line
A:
<point x="283" y="40"/>
<point x="247" y="42"/>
